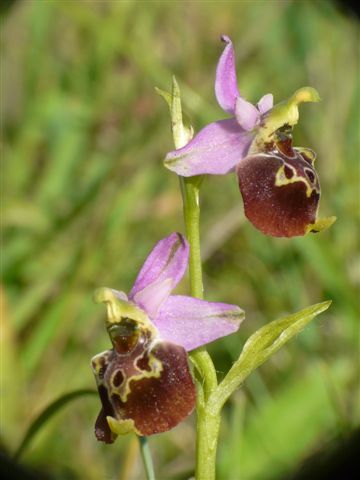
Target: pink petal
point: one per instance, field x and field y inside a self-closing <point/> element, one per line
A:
<point x="246" y="114"/>
<point x="152" y="296"/>
<point x="226" y="89"/>
<point x="191" y="322"/>
<point x="161" y="272"/>
<point x="215" y="150"/>
<point x="265" y="103"/>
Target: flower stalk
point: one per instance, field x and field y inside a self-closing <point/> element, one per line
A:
<point x="212" y="396"/>
<point x="146" y="458"/>
<point x="144" y="381"/>
<point x="191" y="210"/>
<point x="207" y="426"/>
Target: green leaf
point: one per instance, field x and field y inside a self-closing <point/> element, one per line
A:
<point x="46" y="415"/>
<point x="285" y="425"/>
<point x="260" y="346"/>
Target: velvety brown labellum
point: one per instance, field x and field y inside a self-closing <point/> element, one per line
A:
<point x="280" y="191"/>
<point x="150" y="385"/>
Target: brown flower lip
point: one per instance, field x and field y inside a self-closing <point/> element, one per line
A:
<point x="147" y="389"/>
<point x="144" y="381"/>
<point x="280" y="189"/>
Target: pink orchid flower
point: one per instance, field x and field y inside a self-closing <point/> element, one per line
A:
<point x="278" y="183"/>
<point x="144" y="381"/>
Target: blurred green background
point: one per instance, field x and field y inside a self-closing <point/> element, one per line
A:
<point x="86" y="198"/>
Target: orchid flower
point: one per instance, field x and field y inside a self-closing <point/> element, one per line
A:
<point x="144" y="381"/>
<point x="278" y="183"/>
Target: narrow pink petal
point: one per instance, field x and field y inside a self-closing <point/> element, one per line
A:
<point x="215" y="150"/>
<point x="164" y="267"/>
<point x="226" y="89"/>
<point x="191" y="322"/>
<point x="265" y="103"/>
<point x="246" y="114"/>
<point x="152" y="297"/>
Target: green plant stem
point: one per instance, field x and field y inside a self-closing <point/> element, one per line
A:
<point x="207" y="427"/>
<point x="146" y="458"/>
<point x="207" y="433"/>
<point x="191" y="208"/>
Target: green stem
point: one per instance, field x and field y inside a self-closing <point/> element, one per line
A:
<point x="146" y="458"/>
<point x="207" y="427"/>
<point x="207" y="433"/>
<point x="191" y="208"/>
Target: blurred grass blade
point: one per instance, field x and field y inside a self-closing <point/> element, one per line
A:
<point x="47" y="414"/>
<point x="260" y="346"/>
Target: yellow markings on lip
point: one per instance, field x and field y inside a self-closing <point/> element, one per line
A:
<point x="117" y="310"/>
<point x="122" y="427"/>
<point x="99" y="362"/>
<point x="321" y="224"/>
<point x="123" y="391"/>
<point x="281" y="180"/>
<point x="310" y="154"/>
